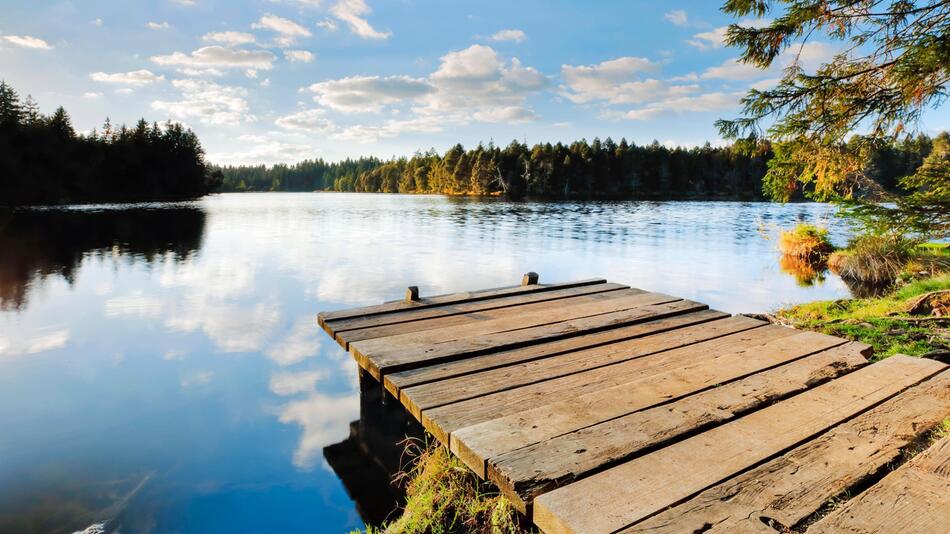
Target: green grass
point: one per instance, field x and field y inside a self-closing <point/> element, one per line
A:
<point x="444" y="497"/>
<point x="807" y="242"/>
<point x="876" y="321"/>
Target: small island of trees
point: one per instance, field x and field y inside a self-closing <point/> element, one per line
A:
<point x="44" y="161"/>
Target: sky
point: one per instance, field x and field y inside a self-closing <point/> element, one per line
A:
<point x="271" y="81"/>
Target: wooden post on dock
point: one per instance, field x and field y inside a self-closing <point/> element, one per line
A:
<point x="529" y="279"/>
<point x="412" y="294"/>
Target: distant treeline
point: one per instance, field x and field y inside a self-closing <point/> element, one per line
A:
<point x="308" y="175"/>
<point x="44" y="161"/>
<point x="580" y="169"/>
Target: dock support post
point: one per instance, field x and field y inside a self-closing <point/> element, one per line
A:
<point x="529" y="278"/>
<point x="412" y="294"/>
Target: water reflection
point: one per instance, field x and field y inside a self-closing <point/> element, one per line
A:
<point x="38" y="244"/>
<point x="175" y="343"/>
<point x="806" y="273"/>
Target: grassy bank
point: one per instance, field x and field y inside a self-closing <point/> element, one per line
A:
<point x="885" y="322"/>
<point x="444" y="496"/>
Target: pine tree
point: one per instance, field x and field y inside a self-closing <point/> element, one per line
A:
<point x="896" y="65"/>
<point x="31" y="112"/>
<point x="10" y="110"/>
<point x="61" y="124"/>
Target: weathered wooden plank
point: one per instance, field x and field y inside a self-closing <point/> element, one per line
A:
<point x="791" y="488"/>
<point x="627" y="387"/>
<point x="444" y="420"/>
<point x="451" y="298"/>
<point x="526" y="472"/>
<point x="446" y="310"/>
<point x="451" y="390"/>
<point x="632" y="491"/>
<point x="397" y="381"/>
<point x="913" y="498"/>
<point x="596" y="293"/>
<point x="404" y="356"/>
<point x="624" y="299"/>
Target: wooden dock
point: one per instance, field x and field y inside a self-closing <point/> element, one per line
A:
<point x="597" y="407"/>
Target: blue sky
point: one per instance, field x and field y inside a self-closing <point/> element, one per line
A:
<point x="271" y="81"/>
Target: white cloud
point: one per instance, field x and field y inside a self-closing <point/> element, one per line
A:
<point x="92" y="95"/>
<point x="328" y="24"/>
<point x="199" y="378"/>
<point x="218" y="57"/>
<point x="124" y="91"/>
<point x="732" y="69"/>
<point x="677" y="17"/>
<point x="97" y="22"/>
<point x="134" y="305"/>
<point x="266" y="151"/>
<point x="296" y="346"/>
<point x="301" y="3"/>
<point x="614" y="80"/>
<point x="509" y="35"/>
<point x="229" y="38"/>
<point x="158" y="26"/>
<point x="26" y="41"/>
<point x="302" y="56"/>
<point x="473" y="84"/>
<point x="476" y="80"/>
<point x="230" y="328"/>
<point x="173" y="355"/>
<point x="711" y="39"/>
<point x="368" y="93"/>
<point x="289" y="30"/>
<point x="310" y="121"/>
<point x="713" y="101"/>
<point x="208" y="102"/>
<point x="188" y="3"/>
<point x="323" y="420"/>
<point x="809" y="56"/>
<point x="716" y="38"/>
<point x="506" y="114"/>
<point x="41" y="341"/>
<point x="351" y="12"/>
<point x="134" y="78"/>
<point x="287" y="384"/>
<point x="366" y="133"/>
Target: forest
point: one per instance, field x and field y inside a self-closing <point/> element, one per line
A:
<point x="581" y="169"/>
<point x="44" y="161"/>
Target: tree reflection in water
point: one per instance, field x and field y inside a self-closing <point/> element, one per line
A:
<point x="40" y="244"/>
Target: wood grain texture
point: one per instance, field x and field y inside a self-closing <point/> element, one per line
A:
<point x="399" y="380"/>
<point x="457" y="389"/>
<point x="397" y="306"/>
<point x="634" y="377"/>
<point x="624" y="299"/>
<point x="526" y="472"/>
<point x="427" y="318"/>
<point x="386" y="358"/>
<point x="628" y="387"/>
<point x="634" y="490"/>
<point x="581" y="295"/>
<point x="788" y="489"/>
<point x="914" y="498"/>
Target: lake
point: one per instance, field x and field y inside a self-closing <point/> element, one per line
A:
<point x="161" y="370"/>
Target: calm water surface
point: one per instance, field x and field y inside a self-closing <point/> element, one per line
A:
<point x="160" y="370"/>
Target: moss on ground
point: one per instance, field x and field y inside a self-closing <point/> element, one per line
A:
<point x="881" y="322"/>
<point x="444" y="496"/>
